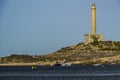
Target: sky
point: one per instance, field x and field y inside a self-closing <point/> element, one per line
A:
<point x="38" y="27"/>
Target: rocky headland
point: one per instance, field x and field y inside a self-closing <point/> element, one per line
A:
<point x="104" y="52"/>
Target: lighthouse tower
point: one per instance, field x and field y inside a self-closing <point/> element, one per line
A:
<point x="93" y="19"/>
<point x="93" y="36"/>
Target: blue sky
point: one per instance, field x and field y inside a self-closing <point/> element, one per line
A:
<point x="38" y="27"/>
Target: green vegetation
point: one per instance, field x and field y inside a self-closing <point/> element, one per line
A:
<point x="95" y="40"/>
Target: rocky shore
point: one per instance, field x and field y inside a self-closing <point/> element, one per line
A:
<point x="105" y="52"/>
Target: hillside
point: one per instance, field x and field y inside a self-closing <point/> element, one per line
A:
<point x="104" y="52"/>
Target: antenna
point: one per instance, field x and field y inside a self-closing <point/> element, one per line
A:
<point x="93" y="1"/>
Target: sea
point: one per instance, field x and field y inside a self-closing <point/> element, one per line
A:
<point x="102" y="72"/>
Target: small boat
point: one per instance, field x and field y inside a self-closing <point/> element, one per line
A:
<point x="66" y="64"/>
<point x="96" y="64"/>
<point x="57" y="64"/>
<point x="113" y="63"/>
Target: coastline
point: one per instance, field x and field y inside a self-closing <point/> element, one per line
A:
<point x="20" y="64"/>
<point x="102" y="60"/>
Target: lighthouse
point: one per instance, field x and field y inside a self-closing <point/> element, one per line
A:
<point x="93" y="19"/>
<point x="93" y="36"/>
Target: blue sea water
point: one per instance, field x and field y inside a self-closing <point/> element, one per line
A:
<point x="106" y="72"/>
